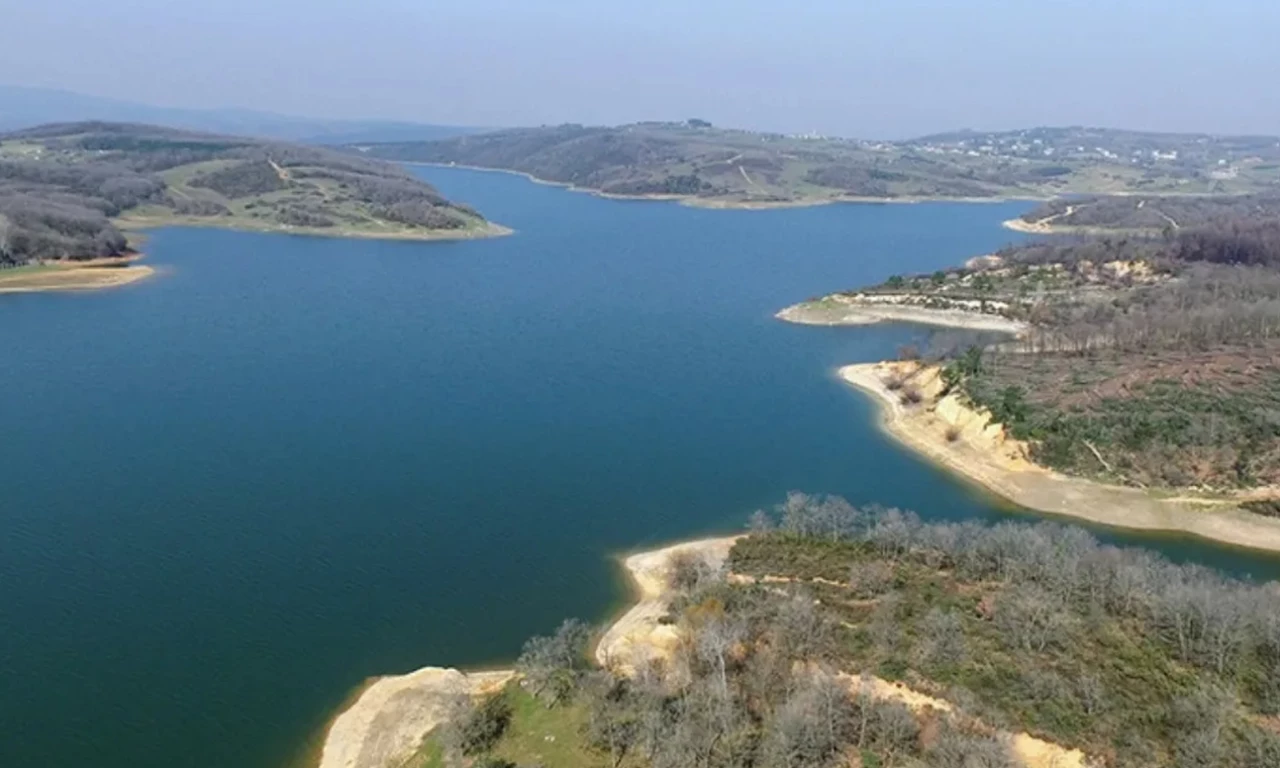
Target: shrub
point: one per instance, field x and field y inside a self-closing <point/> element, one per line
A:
<point x="300" y="217"/>
<point x="422" y="213"/>
<point x="870" y="579"/>
<point x="186" y="207"/>
<point x="1267" y="507"/>
<point x="244" y="180"/>
<point x="484" y="725"/>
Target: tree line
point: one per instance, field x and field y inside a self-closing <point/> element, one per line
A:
<point x="1207" y="306"/>
<point x="1215" y="285"/>
<point x="1138" y="621"/>
<point x="774" y="674"/>
<point x="1214" y="622"/>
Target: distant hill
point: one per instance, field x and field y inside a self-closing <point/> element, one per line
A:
<point x="719" y="167"/>
<point x="1139" y="214"/>
<point x="22" y="107"/>
<point x="64" y="188"/>
<point x="1185" y="151"/>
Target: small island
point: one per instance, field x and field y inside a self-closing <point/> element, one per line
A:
<point x="1135" y="380"/>
<point x="70" y="192"/>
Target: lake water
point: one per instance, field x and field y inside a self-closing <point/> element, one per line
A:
<point x="232" y="493"/>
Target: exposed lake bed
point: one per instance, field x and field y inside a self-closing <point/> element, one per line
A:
<point x="296" y="463"/>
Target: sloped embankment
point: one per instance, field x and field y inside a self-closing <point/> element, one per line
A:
<point x="945" y="429"/>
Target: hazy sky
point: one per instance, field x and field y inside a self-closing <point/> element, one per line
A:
<point x="882" y="68"/>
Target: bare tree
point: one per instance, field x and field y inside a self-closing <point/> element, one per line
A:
<point x="692" y="571"/>
<point x="760" y="522"/>
<point x="1092" y="694"/>
<point x="5" y="228"/>
<point x="870" y="578"/>
<point x="803" y="631"/>
<point x="956" y="749"/>
<point x="886" y="627"/>
<point x="1030" y="617"/>
<point x="893" y="729"/>
<point x="1197" y="721"/>
<point x="614" y="721"/>
<point x="811" y="726"/>
<point x="944" y="642"/>
<point x="714" y="641"/>
<point x="829" y="517"/>
<point x="552" y="665"/>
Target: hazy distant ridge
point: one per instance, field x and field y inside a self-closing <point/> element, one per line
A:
<point x="714" y="166"/>
<point x="22" y="107"/>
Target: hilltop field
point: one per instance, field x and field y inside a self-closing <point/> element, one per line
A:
<point x="709" y="166"/>
<point x="67" y="191"/>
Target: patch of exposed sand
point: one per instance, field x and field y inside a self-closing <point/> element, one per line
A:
<point x="1029" y="227"/>
<point x="389" y="721"/>
<point x="988" y="261"/>
<point x="637" y="636"/>
<point x="838" y="309"/>
<point x="1037" y="753"/>
<point x="1027" y="749"/>
<point x="1043" y="226"/>
<point x="74" y="276"/>
<point x="966" y="441"/>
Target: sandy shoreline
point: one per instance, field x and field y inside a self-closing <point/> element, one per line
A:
<point x="1040" y="228"/>
<point x="389" y="719"/>
<point x="88" y="275"/>
<point x="637" y="635"/>
<point x="154" y="222"/>
<point x="1033" y="227"/>
<point x="94" y="274"/>
<point x="982" y="454"/>
<point x="390" y="716"/>
<point x="810" y="313"/>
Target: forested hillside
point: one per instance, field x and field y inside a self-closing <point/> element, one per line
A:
<point x="837" y="636"/>
<point x="715" y="166"/>
<point x="1147" y="361"/>
<point x="64" y="188"/>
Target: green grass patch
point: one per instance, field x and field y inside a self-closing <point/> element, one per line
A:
<point x="535" y="735"/>
<point x="539" y="735"/>
<point x="430" y="754"/>
<point x="796" y="557"/>
<point x="26" y="269"/>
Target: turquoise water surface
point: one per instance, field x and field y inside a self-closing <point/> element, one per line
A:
<point x="231" y="493"/>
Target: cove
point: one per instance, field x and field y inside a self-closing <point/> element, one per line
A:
<point x="233" y="492"/>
